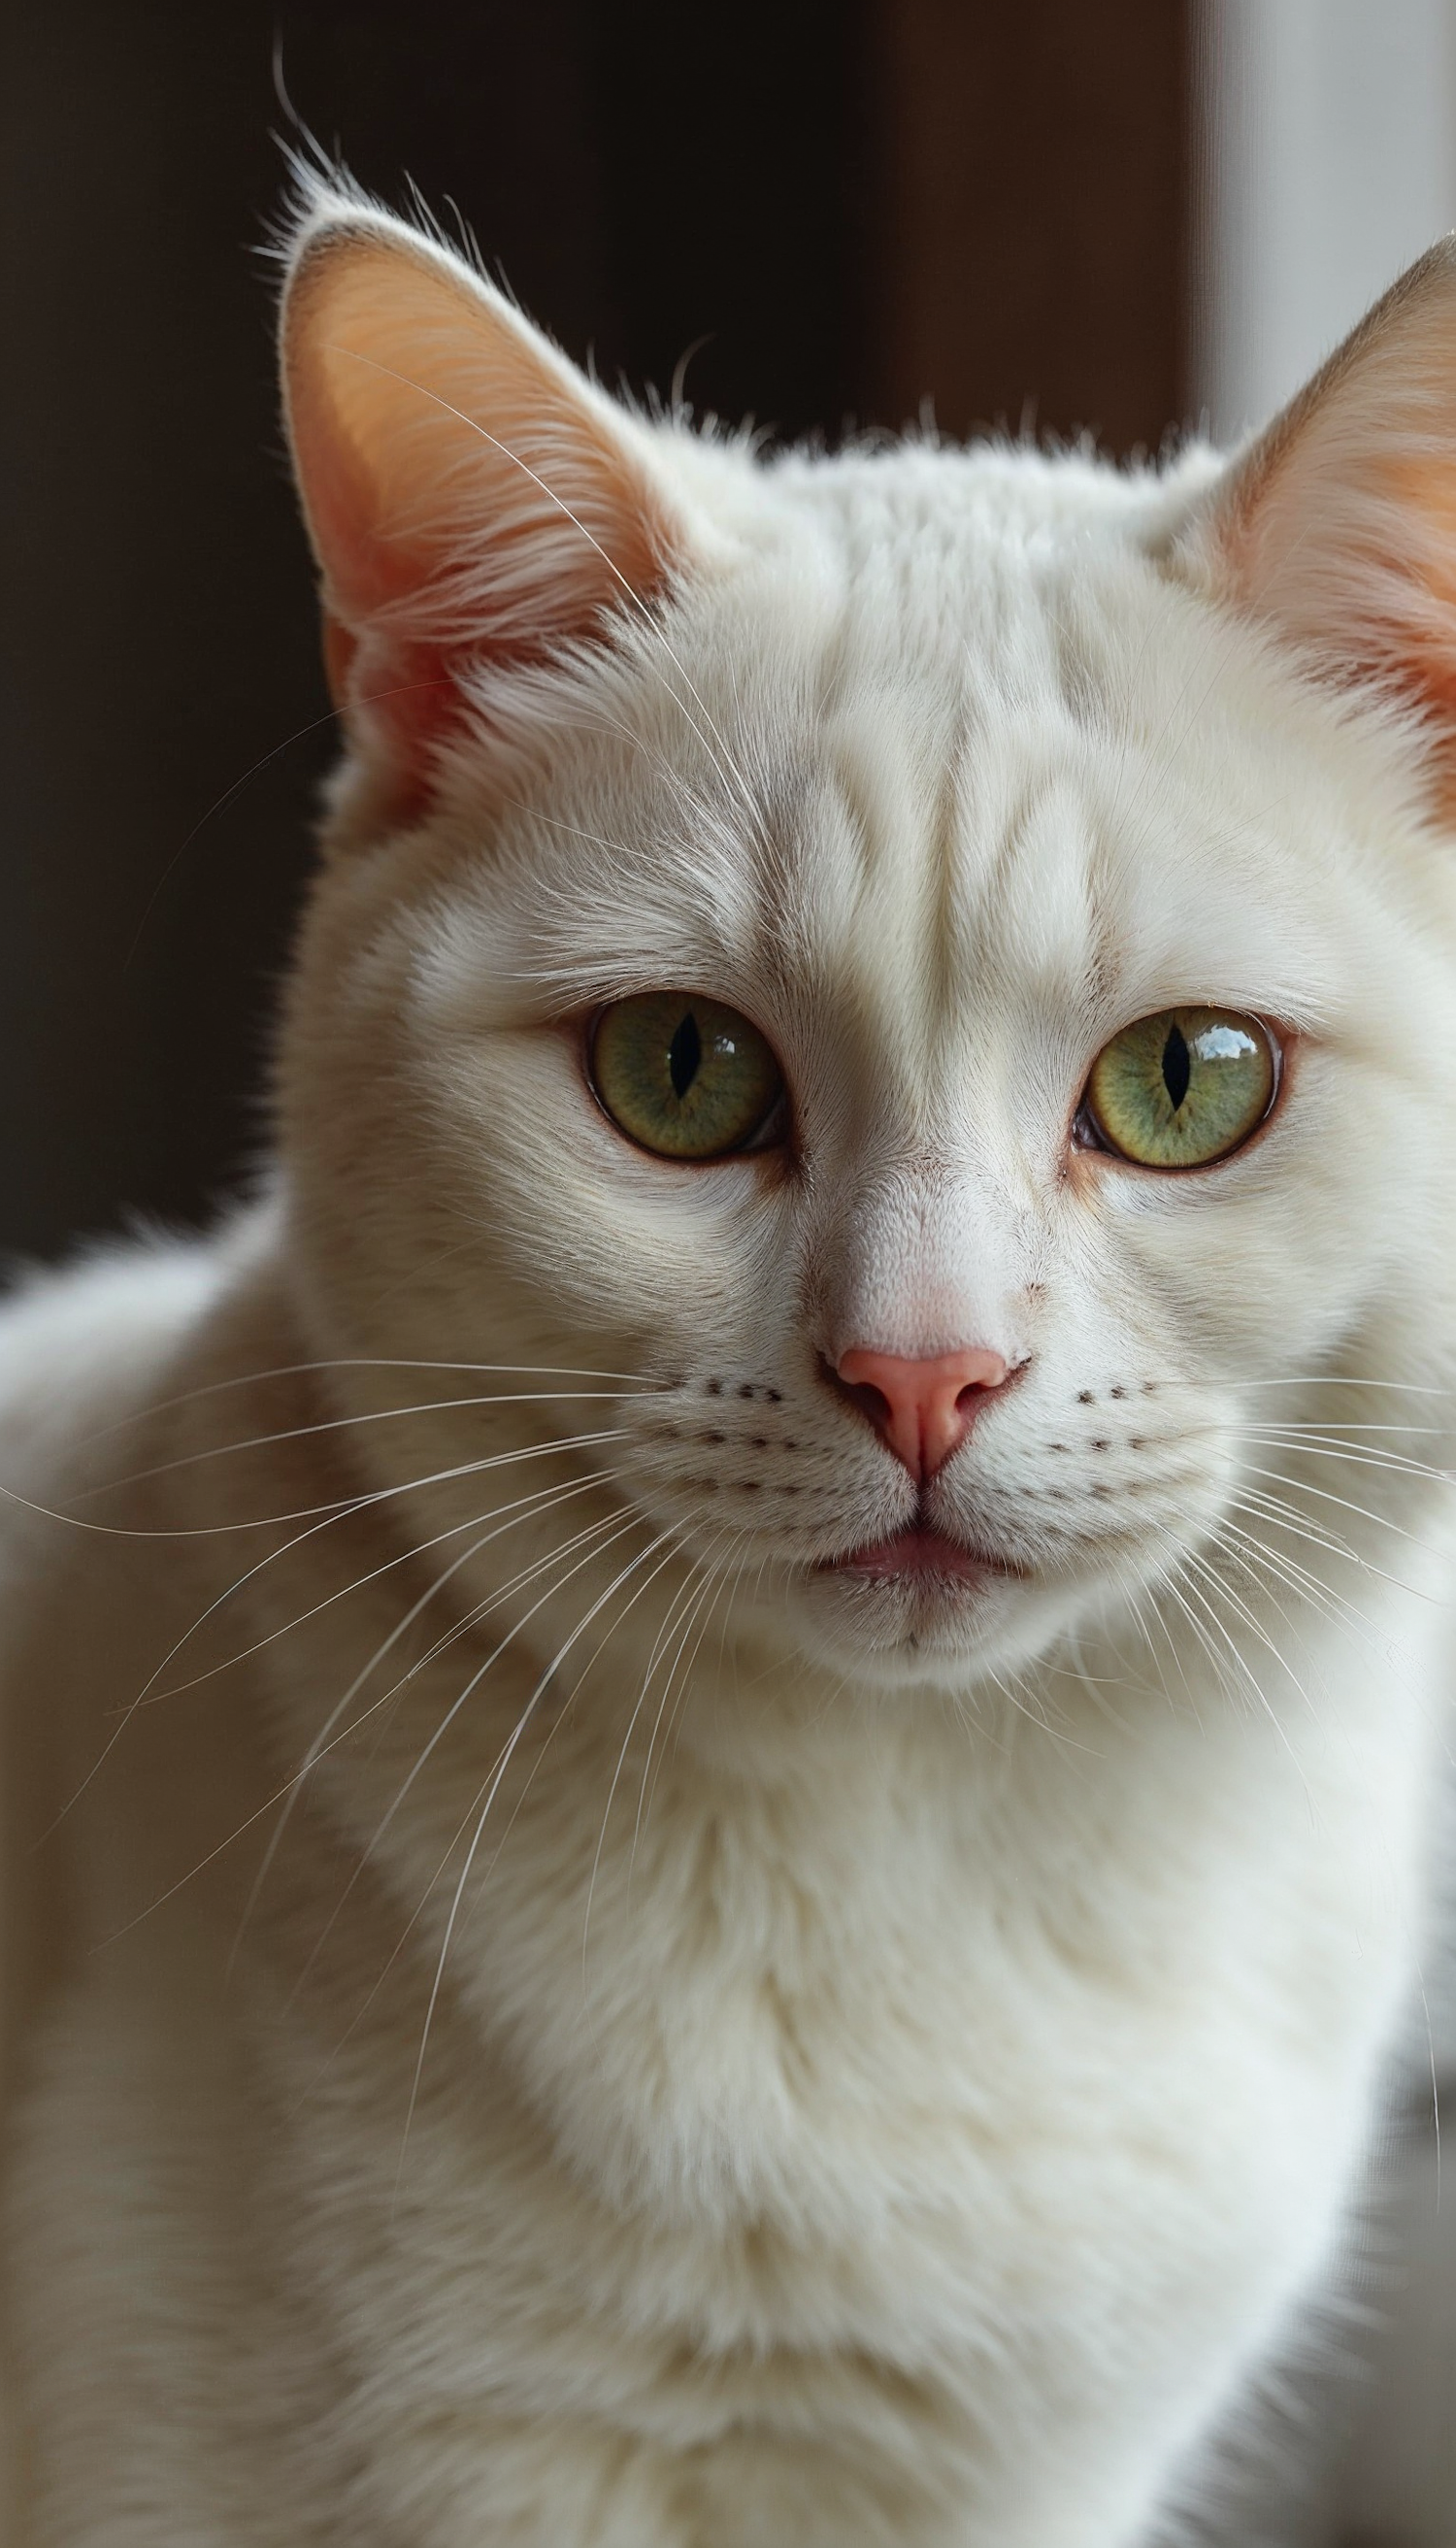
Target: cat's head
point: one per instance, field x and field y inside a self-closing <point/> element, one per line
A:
<point x="937" y="965"/>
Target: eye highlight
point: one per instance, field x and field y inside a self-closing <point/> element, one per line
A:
<point x="683" y="1075"/>
<point x="1183" y="1088"/>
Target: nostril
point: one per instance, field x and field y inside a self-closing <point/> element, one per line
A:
<point x="873" y="1402"/>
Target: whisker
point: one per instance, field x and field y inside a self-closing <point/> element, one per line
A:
<point x="594" y="1657"/>
<point x="1337" y="1426"/>
<point x="1272" y="1512"/>
<point x="362" y="1362"/>
<point x="1240" y="1660"/>
<point x="684" y="1666"/>
<point x="326" y="1740"/>
<point x="677" y="1620"/>
<point x="1266" y="1578"/>
<point x="1171" y="1643"/>
<point x="1346" y="1380"/>
<point x="541" y="1500"/>
<point x="335" y="1507"/>
<point x="332" y="1514"/>
<point x="1322" y="1597"/>
<point x="1381" y="1521"/>
<point x="493" y="1790"/>
<point x="1357" y="1454"/>
<point x="637" y="1706"/>
<point x="339" y="1423"/>
<point x="1276" y="1513"/>
<point x="294" y="1781"/>
<point x="596" y="1536"/>
<point x="1176" y="1590"/>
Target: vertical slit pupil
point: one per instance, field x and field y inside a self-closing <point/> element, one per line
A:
<point x="685" y="1054"/>
<point x="1177" y="1069"/>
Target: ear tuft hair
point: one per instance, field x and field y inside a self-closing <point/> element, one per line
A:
<point x="472" y="500"/>
<point x="1338" y="525"/>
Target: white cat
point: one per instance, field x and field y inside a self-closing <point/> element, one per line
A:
<point x="737" y="1713"/>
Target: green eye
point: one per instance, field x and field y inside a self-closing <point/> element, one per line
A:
<point x="1182" y="1088"/>
<point x="683" y="1075"/>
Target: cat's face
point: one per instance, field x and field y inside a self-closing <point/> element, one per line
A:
<point x="935" y="771"/>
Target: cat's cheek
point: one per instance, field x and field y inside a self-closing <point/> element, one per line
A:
<point x="721" y="1189"/>
<point x="617" y="1238"/>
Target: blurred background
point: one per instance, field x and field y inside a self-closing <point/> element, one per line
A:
<point x="1117" y="215"/>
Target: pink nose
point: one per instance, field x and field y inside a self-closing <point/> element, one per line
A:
<point x="923" y="1410"/>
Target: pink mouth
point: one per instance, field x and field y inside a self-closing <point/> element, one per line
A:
<point x="917" y="1552"/>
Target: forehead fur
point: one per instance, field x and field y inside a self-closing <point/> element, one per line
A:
<point x="936" y="725"/>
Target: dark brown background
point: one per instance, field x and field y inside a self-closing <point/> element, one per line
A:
<point x="842" y="209"/>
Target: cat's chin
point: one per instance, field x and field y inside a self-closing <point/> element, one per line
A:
<point x="918" y="1599"/>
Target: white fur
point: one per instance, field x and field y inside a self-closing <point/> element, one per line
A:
<point x="880" y="2071"/>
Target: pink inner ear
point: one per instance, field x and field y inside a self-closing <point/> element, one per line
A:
<point x="1400" y="612"/>
<point x="408" y="697"/>
<point x="1423" y="645"/>
<point x="1339" y="528"/>
<point x="473" y="500"/>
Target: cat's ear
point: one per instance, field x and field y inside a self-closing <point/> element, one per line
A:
<point x="1337" y="527"/>
<point x="473" y="501"/>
